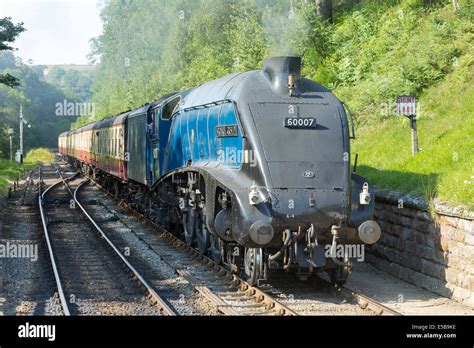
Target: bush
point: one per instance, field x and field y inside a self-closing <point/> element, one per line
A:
<point x="39" y="155"/>
<point x="9" y="171"/>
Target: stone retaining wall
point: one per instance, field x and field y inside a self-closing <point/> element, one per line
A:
<point x="433" y="250"/>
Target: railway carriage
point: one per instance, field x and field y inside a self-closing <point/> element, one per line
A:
<point x="108" y="144"/>
<point x="252" y="169"/>
<point x="62" y="145"/>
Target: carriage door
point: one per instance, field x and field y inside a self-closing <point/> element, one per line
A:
<point x="95" y="135"/>
<point x="154" y="145"/>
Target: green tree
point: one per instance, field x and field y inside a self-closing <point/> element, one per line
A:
<point x="39" y="100"/>
<point x="8" y="34"/>
<point x="72" y="82"/>
<point x="152" y="47"/>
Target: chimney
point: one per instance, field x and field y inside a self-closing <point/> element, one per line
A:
<point x="283" y="74"/>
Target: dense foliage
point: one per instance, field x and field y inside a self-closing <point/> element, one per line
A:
<point x="75" y="85"/>
<point x="373" y="51"/>
<point x="8" y="33"/>
<point x="152" y="47"/>
<point x="381" y="49"/>
<point x="39" y="99"/>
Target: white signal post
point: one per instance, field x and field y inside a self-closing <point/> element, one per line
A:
<point x="406" y="106"/>
<point x="10" y="134"/>
<point x="21" y="133"/>
<point x="22" y="122"/>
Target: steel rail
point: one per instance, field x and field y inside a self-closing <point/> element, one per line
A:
<point x="156" y="299"/>
<point x="365" y="302"/>
<point x="57" y="278"/>
<point x="261" y="298"/>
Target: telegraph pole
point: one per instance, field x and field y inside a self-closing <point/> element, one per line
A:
<point x="10" y="134"/>
<point x="21" y="134"/>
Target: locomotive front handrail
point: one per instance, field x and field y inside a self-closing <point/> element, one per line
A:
<point x="353" y="136"/>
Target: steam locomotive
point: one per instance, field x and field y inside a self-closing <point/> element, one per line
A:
<point x="252" y="169"/>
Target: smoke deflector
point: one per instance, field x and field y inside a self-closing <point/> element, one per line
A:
<point x="284" y="74"/>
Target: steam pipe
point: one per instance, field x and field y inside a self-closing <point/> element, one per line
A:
<point x="284" y="246"/>
<point x="290" y="259"/>
<point x="291" y="84"/>
<point x="335" y="236"/>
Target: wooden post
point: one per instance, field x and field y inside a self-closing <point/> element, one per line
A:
<point x="414" y="135"/>
<point x="406" y="106"/>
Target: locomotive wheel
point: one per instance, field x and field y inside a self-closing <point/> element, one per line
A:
<point x="201" y="233"/>
<point x="177" y="230"/>
<point x="215" y="248"/>
<point x="195" y="231"/>
<point x="253" y="262"/>
<point x="189" y="224"/>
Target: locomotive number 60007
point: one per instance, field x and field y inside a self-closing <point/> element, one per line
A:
<point x="300" y="122"/>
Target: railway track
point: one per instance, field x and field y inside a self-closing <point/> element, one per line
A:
<point x="25" y="282"/>
<point x="88" y="278"/>
<point x="318" y="296"/>
<point x="231" y="294"/>
<point x="365" y="302"/>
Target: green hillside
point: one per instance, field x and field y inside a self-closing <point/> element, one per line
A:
<point x="445" y="166"/>
<point x="392" y="48"/>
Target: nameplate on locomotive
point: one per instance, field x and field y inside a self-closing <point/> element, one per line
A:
<point x="227" y="131"/>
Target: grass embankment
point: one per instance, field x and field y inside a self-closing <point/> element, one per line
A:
<point x="445" y="166"/>
<point x="389" y="48"/>
<point x="9" y="171"/>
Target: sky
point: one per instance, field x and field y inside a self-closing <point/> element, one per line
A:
<point x="58" y="31"/>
